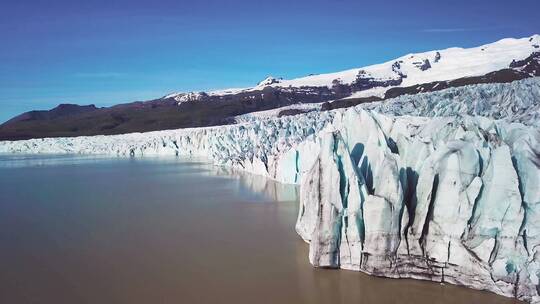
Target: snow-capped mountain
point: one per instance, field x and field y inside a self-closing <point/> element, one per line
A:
<point x="411" y="69"/>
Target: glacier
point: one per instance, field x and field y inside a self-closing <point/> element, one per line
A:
<point x="515" y="102"/>
<point x="419" y="186"/>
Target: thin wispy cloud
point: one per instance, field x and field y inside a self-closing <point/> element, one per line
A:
<point x="447" y="30"/>
<point x="100" y="75"/>
<point x="460" y="29"/>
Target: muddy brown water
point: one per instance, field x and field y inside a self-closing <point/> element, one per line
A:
<point x="168" y="230"/>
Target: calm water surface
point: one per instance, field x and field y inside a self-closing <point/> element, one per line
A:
<point x="167" y="230"/>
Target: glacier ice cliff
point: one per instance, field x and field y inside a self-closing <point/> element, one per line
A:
<point x="451" y="200"/>
<point x="386" y="190"/>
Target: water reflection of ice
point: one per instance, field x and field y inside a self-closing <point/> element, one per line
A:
<point x="42" y="160"/>
<point x="256" y="183"/>
<point x="269" y="189"/>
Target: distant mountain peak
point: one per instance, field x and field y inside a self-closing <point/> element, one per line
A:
<point x="269" y="81"/>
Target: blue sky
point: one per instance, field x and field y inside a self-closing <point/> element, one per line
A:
<point x="108" y="52"/>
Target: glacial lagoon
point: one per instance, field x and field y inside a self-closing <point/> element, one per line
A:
<point x="95" y="229"/>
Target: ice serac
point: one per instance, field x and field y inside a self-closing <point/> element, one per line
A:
<point x="445" y="199"/>
<point x="330" y="218"/>
<point x="448" y="198"/>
